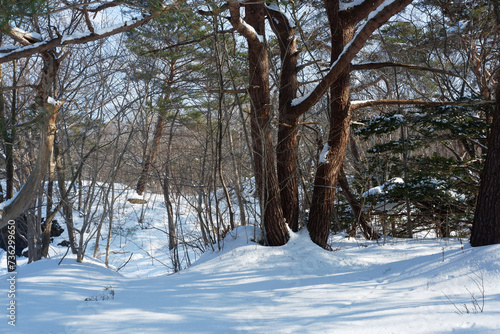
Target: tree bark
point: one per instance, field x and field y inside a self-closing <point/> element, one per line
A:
<point x="286" y="150"/>
<point x="48" y="107"/>
<point x="486" y="224"/>
<point x="150" y="157"/>
<point x="266" y="178"/>
<point x="323" y="198"/>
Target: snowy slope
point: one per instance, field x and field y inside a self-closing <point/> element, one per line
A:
<point x="404" y="286"/>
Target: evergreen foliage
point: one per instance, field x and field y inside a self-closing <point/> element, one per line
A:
<point x="444" y="156"/>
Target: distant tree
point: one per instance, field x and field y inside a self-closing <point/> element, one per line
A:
<point x="28" y="43"/>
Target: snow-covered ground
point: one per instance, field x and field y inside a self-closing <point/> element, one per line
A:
<point x="404" y="286"/>
<point x="396" y="286"/>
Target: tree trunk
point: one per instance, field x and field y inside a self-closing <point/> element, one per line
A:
<point x="9" y="139"/>
<point x="49" y="108"/>
<point x="486" y="224"/>
<point x="266" y="178"/>
<point x="67" y="207"/>
<point x="150" y="158"/>
<point x="286" y="150"/>
<point x="50" y="193"/>
<point x="323" y="199"/>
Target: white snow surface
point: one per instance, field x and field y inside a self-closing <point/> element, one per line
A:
<point x="324" y="153"/>
<point x="403" y="286"/>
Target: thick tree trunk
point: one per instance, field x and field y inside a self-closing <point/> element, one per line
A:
<point x="266" y="177"/>
<point x="286" y="150"/>
<point x="486" y="224"/>
<point x="262" y="142"/>
<point x="49" y="108"/>
<point x="323" y="198"/>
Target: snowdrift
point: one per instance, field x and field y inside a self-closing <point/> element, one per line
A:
<point x="403" y="286"/>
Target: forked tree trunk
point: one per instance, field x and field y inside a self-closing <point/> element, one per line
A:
<point x="266" y="177"/>
<point x="486" y="224"/>
<point x="342" y="26"/>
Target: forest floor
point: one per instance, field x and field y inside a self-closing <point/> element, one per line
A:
<point x="422" y="285"/>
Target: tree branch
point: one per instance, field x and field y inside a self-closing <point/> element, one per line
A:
<point x="243" y="28"/>
<point x="30" y="49"/>
<point x="374" y="66"/>
<point x="301" y="105"/>
<point x="363" y="104"/>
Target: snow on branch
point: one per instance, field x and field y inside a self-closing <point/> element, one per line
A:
<point x="33" y="43"/>
<point x="275" y="11"/>
<point x="349" y="5"/>
<point x="241" y="26"/>
<point x="375" y="20"/>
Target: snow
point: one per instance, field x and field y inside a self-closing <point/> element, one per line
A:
<point x="324" y="153"/>
<point x="78" y="35"/>
<point x="395" y="286"/>
<point x="380" y="190"/>
<point x="274" y="7"/>
<point x="54" y="102"/>
<point x="102" y="31"/>
<point x="252" y="30"/>
<point x="348" y="5"/>
<point x="29" y="34"/>
<point x="299" y="100"/>
<point x="400" y="287"/>
<point x="6" y="203"/>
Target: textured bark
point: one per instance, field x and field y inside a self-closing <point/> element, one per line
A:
<point x="342" y="60"/>
<point x="26" y="196"/>
<point x="260" y="121"/>
<point x="486" y="224"/>
<point x="286" y="150"/>
<point x="323" y="198"/>
<point x="345" y="46"/>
